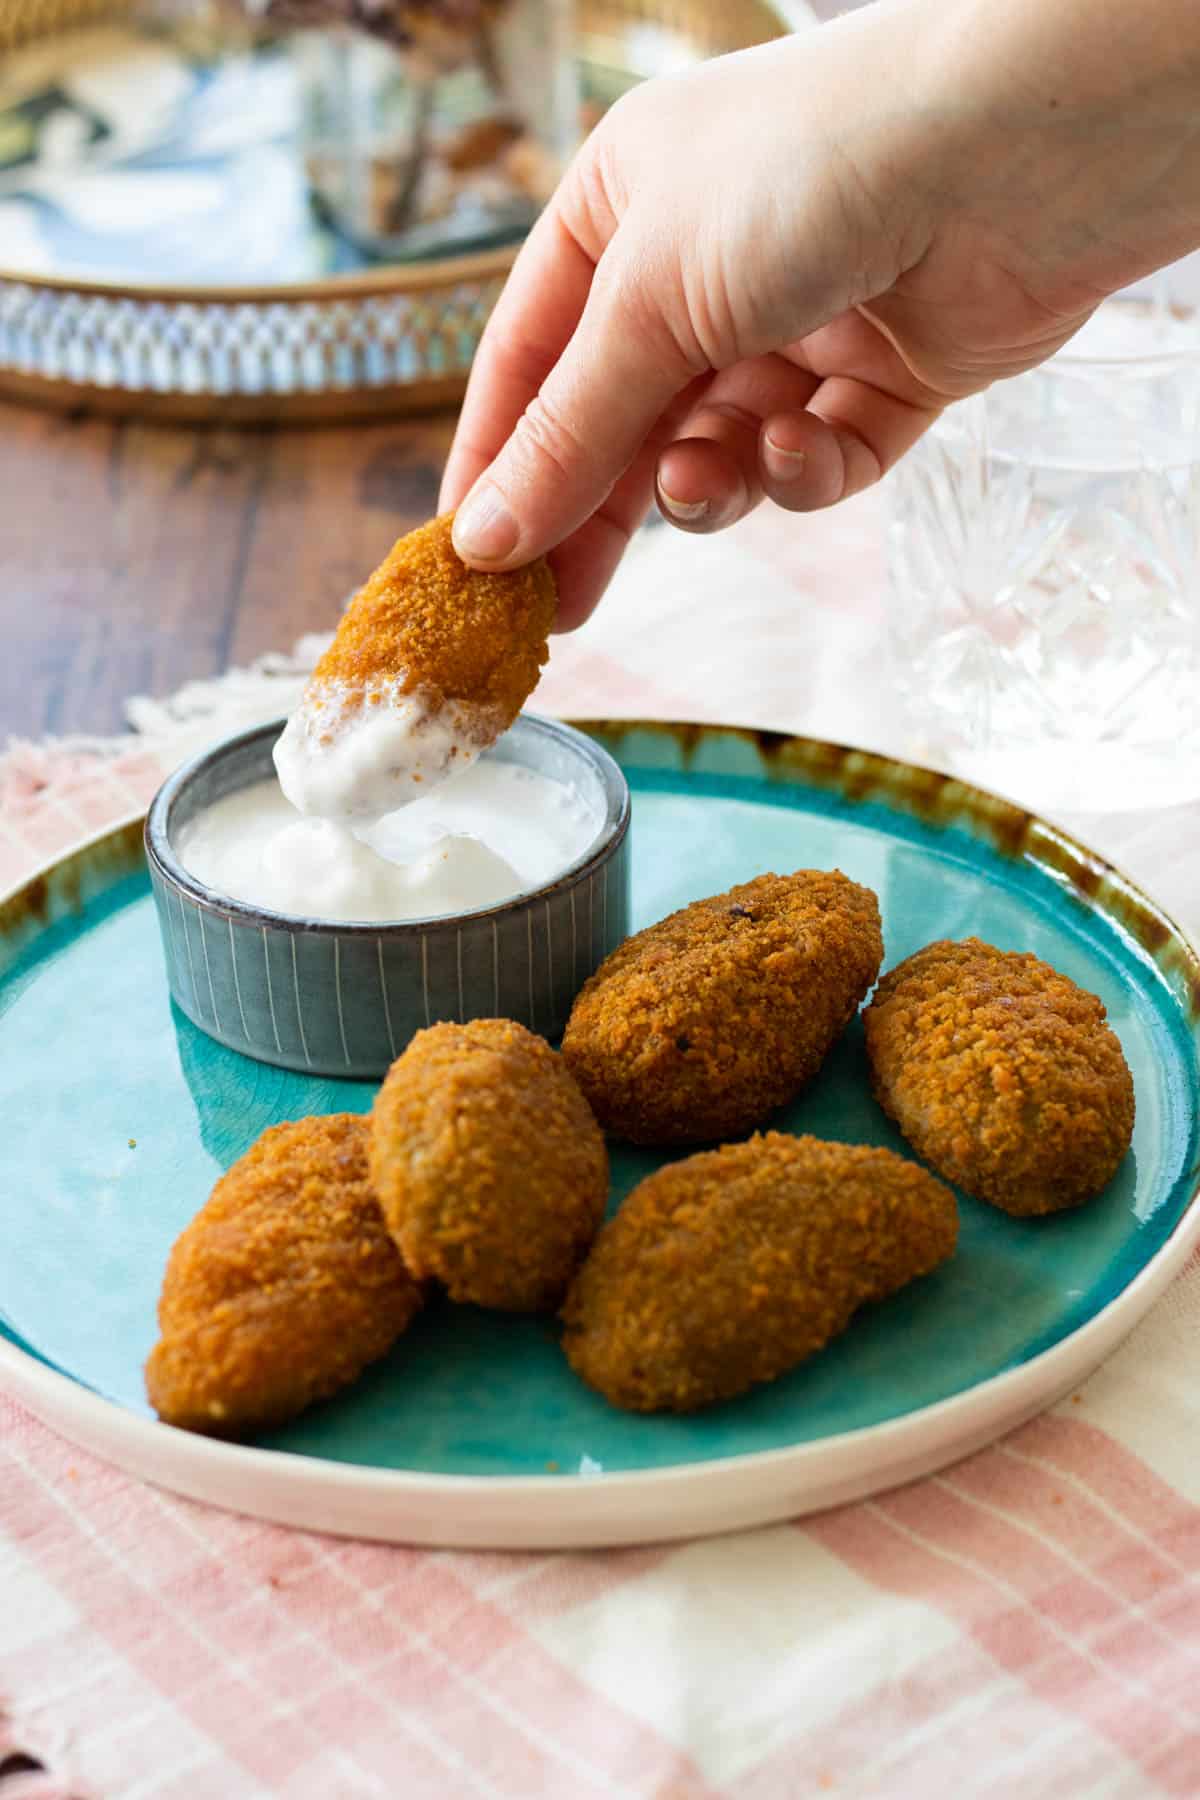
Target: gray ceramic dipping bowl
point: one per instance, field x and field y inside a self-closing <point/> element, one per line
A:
<point x="344" y="999"/>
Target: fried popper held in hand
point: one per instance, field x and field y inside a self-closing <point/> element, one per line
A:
<point x="1002" y="1074"/>
<point x="431" y="663"/>
<point x="283" y="1287"/>
<point x="699" y="1027"/>
<point x="729" y="1268"/>
<point x="491" y="1170"/>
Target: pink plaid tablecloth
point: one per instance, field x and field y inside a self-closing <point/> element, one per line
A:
<point x="1027" y="1623"/>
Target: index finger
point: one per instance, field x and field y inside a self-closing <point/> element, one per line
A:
<point x="531" y="325"/>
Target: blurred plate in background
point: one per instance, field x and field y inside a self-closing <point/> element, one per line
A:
<point x="158" y="249"/>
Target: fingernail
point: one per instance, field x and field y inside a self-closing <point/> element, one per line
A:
<point x="484" y="529"/>
<point x="684" y="512"/>
<point x="782" y="465"/>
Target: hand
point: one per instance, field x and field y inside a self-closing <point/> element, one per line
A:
<point x="767" y="277"/>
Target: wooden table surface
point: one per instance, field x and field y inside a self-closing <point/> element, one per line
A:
<point x="133" y="558"/>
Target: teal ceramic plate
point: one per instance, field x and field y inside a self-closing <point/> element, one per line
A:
<point x="119" y="1114"/>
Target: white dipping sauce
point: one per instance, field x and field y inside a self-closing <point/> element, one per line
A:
<point x="492" y="831"/>
<point x="344" y="759"/>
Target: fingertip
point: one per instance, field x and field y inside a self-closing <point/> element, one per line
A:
<point x="801" y="462"/>
<point x="785" y="443"/>
<point x="458" y="478"/>
<point x="582" y="567"/>
<point x="449" y="494"/>
<point x="572" y="614"/>
<point x="699" y="486"/>
<point x="862" y="466"/>
<point x="850" y="434"/>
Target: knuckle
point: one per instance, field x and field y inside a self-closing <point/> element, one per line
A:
<point x="543" y="436"/>
<point x="625" y="114"/>
<point x="641" y="300"/>
<point x="593" y="197"/>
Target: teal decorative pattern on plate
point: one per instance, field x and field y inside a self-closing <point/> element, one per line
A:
<point x="92" y="1057"/>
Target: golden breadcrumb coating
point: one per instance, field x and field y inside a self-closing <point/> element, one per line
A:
<point x="1002" y="1074"/>
<point x="431" y="625"/>
<point x="283" y="1287"/>
<point x="729" y="1268"/>
<point x="700" y="1026"/>
<point x="492" y="1172"/>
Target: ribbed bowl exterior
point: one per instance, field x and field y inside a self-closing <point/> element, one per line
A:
<point x="345" y="999"/>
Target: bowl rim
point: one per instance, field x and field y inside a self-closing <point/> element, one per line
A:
<point x="165" y="865"/>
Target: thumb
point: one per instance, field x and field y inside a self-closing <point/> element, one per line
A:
<point x="583" y="427"/>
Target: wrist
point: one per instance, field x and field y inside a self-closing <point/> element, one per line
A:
<point x="1069" y="133"/>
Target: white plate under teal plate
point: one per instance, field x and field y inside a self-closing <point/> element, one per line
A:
<point x="118" y="1115"/>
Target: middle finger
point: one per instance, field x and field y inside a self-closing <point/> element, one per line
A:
<point x="709" y="476"/>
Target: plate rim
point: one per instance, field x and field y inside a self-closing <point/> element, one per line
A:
<point x="606" y="1509"/>
<point x="744" y="1489"/>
